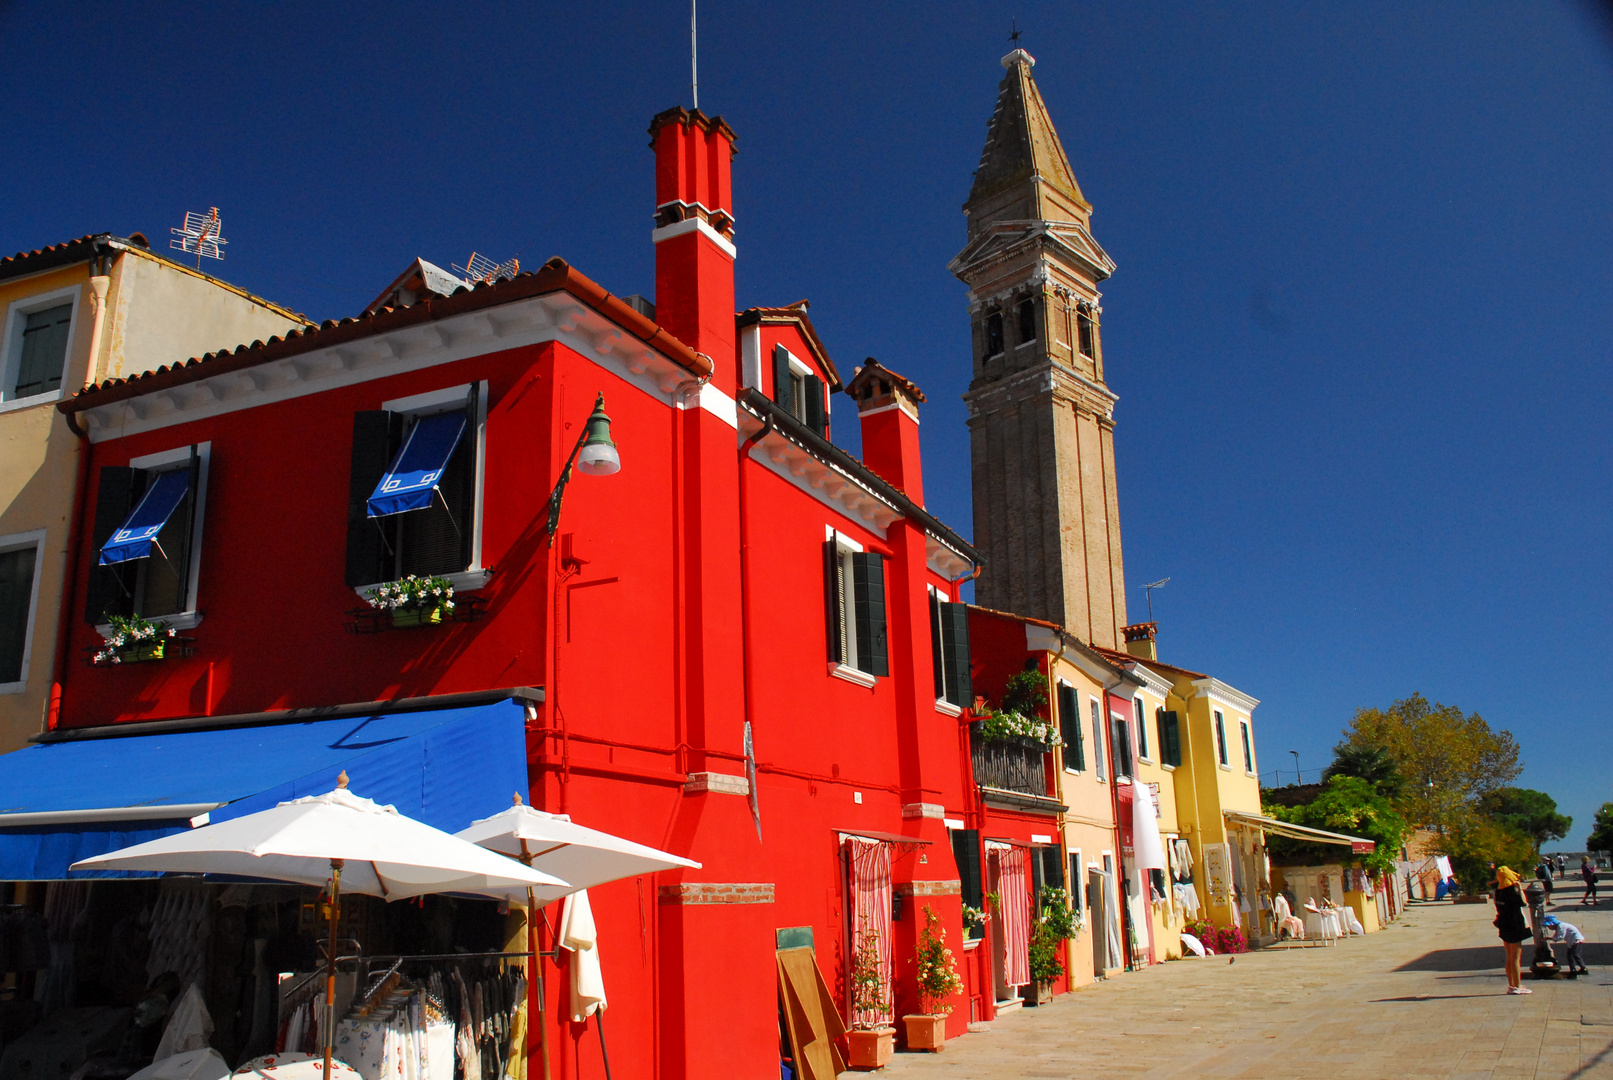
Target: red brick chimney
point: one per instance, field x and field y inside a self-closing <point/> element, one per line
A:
<point x="694" y="236"/>
<point x="888" y="406"/>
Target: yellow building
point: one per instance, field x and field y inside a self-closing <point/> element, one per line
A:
<point x="95" y="308"/>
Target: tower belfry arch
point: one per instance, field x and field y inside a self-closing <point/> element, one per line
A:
<point x="1041" y="417"/>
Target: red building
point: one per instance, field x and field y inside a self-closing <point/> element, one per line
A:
<point x="739" y="648"/>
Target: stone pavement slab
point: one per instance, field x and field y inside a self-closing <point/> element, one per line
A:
<point x="1425" y="997"/>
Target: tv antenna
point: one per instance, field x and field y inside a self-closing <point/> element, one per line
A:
<point x="1148" y="591"/>
<point x="479" y="268"/>
<point x="200" y="235"/>
<point x="694" y="56"/>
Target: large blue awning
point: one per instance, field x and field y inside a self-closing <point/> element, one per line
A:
<point x="412" y="479"/>
<point x="134" y="537"/>
<point x="61" y="802"/>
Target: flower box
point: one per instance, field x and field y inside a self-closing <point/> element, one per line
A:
<point x="870" y="1050"/>
<point x="151" y="650"/>
<point x="926" y="1033"/>
<point x="417" y="617"/>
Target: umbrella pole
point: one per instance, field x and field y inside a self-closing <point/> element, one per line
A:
<point x="537" y="971"/>
<point x="330" y="962"/>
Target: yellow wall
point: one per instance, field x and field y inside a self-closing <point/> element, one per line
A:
<point x="157" y="313"/>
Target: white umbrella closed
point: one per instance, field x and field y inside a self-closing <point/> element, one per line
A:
<point x="557" y="845"/>
<point x="313" y="840"/>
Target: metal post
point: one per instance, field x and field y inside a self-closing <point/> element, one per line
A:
<point x="330" y="960"/>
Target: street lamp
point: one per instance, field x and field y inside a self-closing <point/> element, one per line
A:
<point x="1297" y="777"/>
<point x="595" y="454"/>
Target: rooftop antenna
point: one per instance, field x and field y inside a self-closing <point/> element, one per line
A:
<point x="479" y="268"/>
<point x="1148" y="591"/>
<point x="200" y="235"/>
<point x="694" y="57"/>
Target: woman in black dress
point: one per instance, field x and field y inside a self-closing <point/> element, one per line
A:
<point x="1511" y="925"/>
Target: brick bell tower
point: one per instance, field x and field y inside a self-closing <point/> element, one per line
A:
<point x="1041" y="419"/>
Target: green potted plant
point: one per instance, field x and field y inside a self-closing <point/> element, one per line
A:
<point x="1017" y="720"/>
<point x="413" y="601"/>
<point x="870" y="1041"/>
<point x="938" y="980"/>
<point x="1055" y="924"/>
<point x="133" y="640"/>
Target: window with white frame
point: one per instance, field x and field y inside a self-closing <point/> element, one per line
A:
<point x="415" y="487"/>
<point x="1121" y="745"/>
<point x="799" y="392"/>
<point x="1142" y="729"/>
<point x="1221" y="737"/>
<point x="854" y="601"/>
<point x="1097" y="737"/>
<point x="1248" y="748"/>
<point x="1077" y="880"/>
<point x="33" y="353"/>
<point x="19" y="602"/>
<point x="148" y="535"/>
<point x="1074" y="750"/>
<point x="949" y="649"/>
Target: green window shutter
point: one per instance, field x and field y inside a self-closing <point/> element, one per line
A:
<point x="966" y="853"/>
<point x="1070" y="728"/>
<point x="1248" y="751"/>
<point x="1052" y="866"/>
<point x="111" y="590"/>
<point x="1172" y="737"/>
<point x="781" y="379"/>
<point x="1221" y="737"/>
<point x="44" y="351"/>
<point x="834" y="604"/>
<point x="937" y="648"/>
<point x="1076" y="874"/>
<point x="816" y="418"/>
<point x="371" y="454"/>
<point x="868" y="591"/>
<point x="1038" y="879"/>
<point x="960" y="679"/>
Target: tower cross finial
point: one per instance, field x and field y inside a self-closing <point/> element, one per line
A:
<point x="1014" y="31"/>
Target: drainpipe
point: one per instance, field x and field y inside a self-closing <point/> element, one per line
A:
<point x="744" y="593"/>
<point x="99" y="283"/>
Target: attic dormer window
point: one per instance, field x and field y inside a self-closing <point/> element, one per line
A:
<point x="798" y="391"/>
<point x="994" y="334"/>
<point x="1027" y="321"/>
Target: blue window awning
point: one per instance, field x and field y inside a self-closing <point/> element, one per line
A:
<point x="139" y="530"/>
<point x="61" y="802"/>
<point x="412" y="479"/>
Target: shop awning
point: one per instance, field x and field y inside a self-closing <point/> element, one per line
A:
<point x="412" y="480"/>
<point x="1299" y="832"/>
<point x="134" y="537"/>
<point x="65" y="801"/>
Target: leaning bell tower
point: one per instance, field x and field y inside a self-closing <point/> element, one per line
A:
<point x="1041" y="418"/>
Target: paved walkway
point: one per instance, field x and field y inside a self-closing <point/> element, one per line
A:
<point x="1425" y="997"/>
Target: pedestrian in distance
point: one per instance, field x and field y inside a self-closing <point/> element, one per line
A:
<point x="1543" y="873"/>
<point x="1562" y="865"/>
<point x="1557" y="930"/>
<point x="1587" y="873"/>
<point x="1510" y="924"/>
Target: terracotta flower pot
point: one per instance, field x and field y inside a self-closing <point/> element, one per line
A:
<point x="416" y="617"/>
<point x="926" y="1033"/>
<point x="1036" y="993"/>
<point x="870" y="1049"/>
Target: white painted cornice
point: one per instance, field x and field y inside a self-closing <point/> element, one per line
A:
<point x="1218" y="691"/>
<point x="535" y="320"/>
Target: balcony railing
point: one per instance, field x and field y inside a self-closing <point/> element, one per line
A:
<point x="1010" y="765"/>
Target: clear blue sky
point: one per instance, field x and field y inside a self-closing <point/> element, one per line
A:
<point x="1361" y="328"/>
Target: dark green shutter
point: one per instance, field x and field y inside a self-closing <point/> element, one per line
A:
<point x="834" y="605"/>
<point x="111" y="587"/>
<point x="44" y="351"/>
<point x="816" y="418"/>
<point x="966" y="852"/>
<point x="781" y="379"/>
<point x="1070" y="728"/>
<point x="868" y="592"/>
<point x="1052" y="866"/>
<point x="960" y="682"/>
<point x="1077" y="893"/>
<point x="372" y="453"/>
<point x="937" y="648"/>
<point x="1038" y="879"/>
<point x="1172" y="735"/>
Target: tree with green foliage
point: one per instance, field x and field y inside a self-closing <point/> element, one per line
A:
<point x="1601" y="838"/>
<point x="1448" y="760"/>
<point x="1349" y="805"/>
<point x="1477" y="843"/>
<point x="1370" y="762"/>
<point x="1527" y="812"/>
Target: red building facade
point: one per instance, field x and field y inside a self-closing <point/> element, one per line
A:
<point x="744" y="640"/>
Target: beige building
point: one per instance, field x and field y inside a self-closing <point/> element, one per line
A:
<point x="91" y="309"/>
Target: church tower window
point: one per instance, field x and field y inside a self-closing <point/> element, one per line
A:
<point x="994" y="334"/>
<point x="1027" y="321"/>
<point x="1084" y="327"/>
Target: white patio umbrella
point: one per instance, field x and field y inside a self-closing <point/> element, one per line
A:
<point x="584" y="857"/>
<point x="314" y="840"/>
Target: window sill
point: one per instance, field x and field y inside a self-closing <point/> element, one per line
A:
<point x="13" y="404"/>
<point x="852" y="675"/>
<point x="184" y="620"/>
<point x="1224" y="768"/>
<point x="946" y="708"/>
<point x="1246" y="772"/>
<point x="1170" y="768"/>
<point x="13" y="687"/>
<point x="466" y="581"/>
